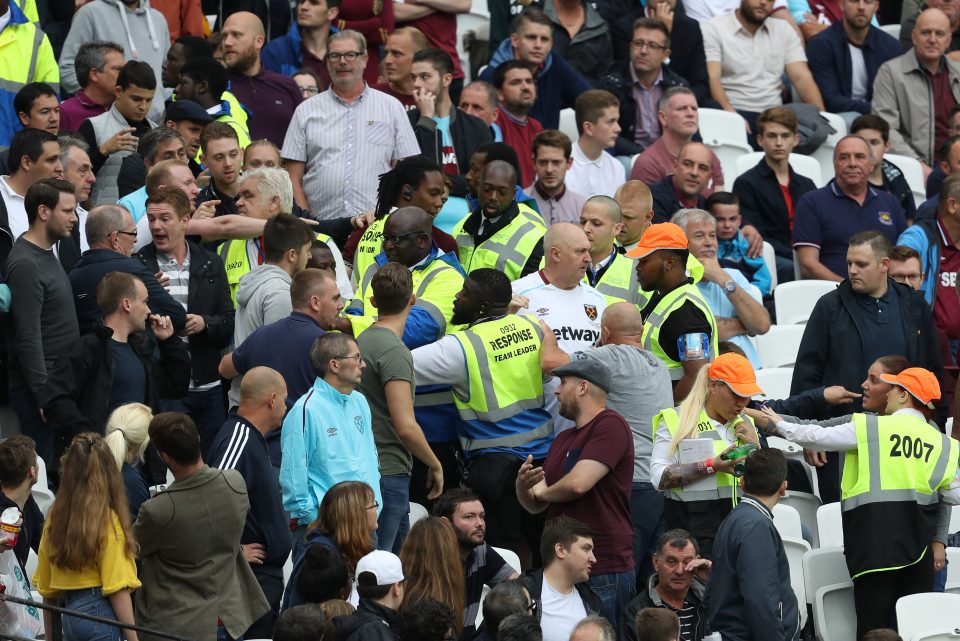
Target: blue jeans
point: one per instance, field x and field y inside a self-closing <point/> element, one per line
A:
<point x="208" y="411"/>
<point x="646" y="513"/>
<point x="615" y="591"/>
<point x="89" y="601"/>
<point x="394" y="520"/>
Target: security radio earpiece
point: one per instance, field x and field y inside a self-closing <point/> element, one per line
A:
<point x="407" y="192"/>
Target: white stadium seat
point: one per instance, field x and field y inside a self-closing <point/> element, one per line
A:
<point x="795" y="300"/>
<point x="912" y="173"/>
<point x="775" y="382"/>
<point x="830" y="525"/>
<point x="927" y="612"/>
<point x="824" y="153"/>
<point x="779" y="346"/>
<point x="804" y="165"/>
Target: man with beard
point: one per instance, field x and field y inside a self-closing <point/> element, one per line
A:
<point x="685" y="187"/>
<point x="270" y="97"/>
<point x="588" y="476"/>
<point x="482" y="565"/>
<point x="517" y="94"/>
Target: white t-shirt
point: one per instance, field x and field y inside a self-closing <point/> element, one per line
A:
<point x="701" y="10"/>
<point x="16" y="212"/>
<point x="858" y="80"/>
<point x="600" y="177"/>
<point x="572" y="314"/>
<point x="560" y="613"/>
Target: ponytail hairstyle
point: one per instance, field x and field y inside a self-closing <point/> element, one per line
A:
<point x="691" y="408"/>
<point x="127" y="432"/>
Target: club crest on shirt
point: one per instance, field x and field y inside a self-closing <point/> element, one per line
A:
<point x="358" y="423"/>
<point x="885" y="218"/>
<point x="590" y="311"/>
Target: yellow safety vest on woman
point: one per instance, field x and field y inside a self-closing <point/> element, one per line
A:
<point x="507" y="250"/>
<point x="889" y="490"/>
<point x="655" y="320"/>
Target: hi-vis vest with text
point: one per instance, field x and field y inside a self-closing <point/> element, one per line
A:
<point x="369" y="245"/>
<point x="667" y="305"/>
<point x="503" y="412"/>
<point x="727" y="484"/>
<point x="889" y="485"/>
<point x="237" y="263"/>
<point x="507" y="250"/>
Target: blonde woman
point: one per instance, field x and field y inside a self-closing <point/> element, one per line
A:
<point x="713" y="410"/>
<point x="127" y="440"/>
<point x="86" y="556"/>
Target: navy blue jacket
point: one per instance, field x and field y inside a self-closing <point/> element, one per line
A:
<point x="762" y="204"/>
<point x="240" y="446"/>
<point x="291" y="596"/>
<point x="94" y="265"/>
<point x="558" y="85"/>
<point x="829" y="58"/>
<point x="665" y="201"/>
<point x="749" y="597"/>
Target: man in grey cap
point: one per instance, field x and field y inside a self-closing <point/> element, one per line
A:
<point x="587" y="476"/>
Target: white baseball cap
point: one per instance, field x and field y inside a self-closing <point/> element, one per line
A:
<point x="384" y="566"/>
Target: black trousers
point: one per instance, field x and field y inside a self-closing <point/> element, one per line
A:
<point x="272" y="587"/>
<point x="875" y="595"/>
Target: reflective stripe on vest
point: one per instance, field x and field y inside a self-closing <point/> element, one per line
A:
<point x="368" y="247"/>
<point x="507" y="250"/>
<point x="515" y="347"/>
<point x="911" y="465"/>
<point x="667" y="305"/>
<point x="727" y="484"/>
<point x="620" y="283"/>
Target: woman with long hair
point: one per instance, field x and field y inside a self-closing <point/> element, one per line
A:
<point x="431" y="560"/>
<point x="127" y="440"/>
<point x="713" y="413"/>
<point x="86" y="557"/>
<point x="345" y="522"/>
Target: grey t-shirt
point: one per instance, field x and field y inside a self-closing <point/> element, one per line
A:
<point x="387" y="359"/>
<point x="641" y="390"/>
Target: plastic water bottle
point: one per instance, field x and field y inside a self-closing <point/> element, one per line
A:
<point x="738" y="452"/>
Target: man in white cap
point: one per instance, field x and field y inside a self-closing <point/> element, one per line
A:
<point x="379" y="578"/>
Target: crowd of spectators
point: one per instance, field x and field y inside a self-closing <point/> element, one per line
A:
<point x="274" y="275"/>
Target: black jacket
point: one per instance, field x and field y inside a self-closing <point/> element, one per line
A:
<point x="208" y="296"/>
<point x="468" y="133"/>
<point x="590" y="51"/>
<point x="472" y="225"/>
<point x="533" y="581"/>
<point x="68" y="249"/>
<point x="650" y="598"/>
<point x="762" y="606"/>
<point x="665" y="201"/>
<point x="619" y="82"/>
<point x="687" y="58"/>
<point x="97" y="263"/>
<point x="762" y="204"/>
<point x="831" y="351"/>
<point x="371" y="622"/>
<point x="77" y="395"/>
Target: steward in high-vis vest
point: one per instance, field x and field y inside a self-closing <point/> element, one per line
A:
<point x="437" y="278"/>
<point x="701" y="490"/>
<point x="501" y="233"/>
<point x="493" y="368"/>
<point x="678" y="326"/>
<point x="25" y="56"/>
<point x="899" y="475"/>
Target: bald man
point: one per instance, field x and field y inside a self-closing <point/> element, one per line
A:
<point x="636" y="209"/>
<point x="622" y="351"/>
<point x="500" y="233"/>
<point x="270" y="97"/>
<point x="684" y="189"/>
<point x="559" y="296"/>
<point x="241" y="445"/>
<point x="401" y="46"/>
<point x="610" y="272"/>
<point x="915" y="92"/>
<point x="437" y="277"/>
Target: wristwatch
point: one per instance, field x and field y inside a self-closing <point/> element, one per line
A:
<point x="730" y="287"/>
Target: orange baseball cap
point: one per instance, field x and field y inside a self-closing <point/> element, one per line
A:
<point x="922" y="384"/>
<point x="737" y="373"/>
<point x="659" y="236"/>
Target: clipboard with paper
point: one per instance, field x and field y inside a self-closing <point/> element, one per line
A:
<point x="694" y="450"/>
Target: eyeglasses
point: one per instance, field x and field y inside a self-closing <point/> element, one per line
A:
<point x="132" y="234"/>
<point x="310" y="90"/>
<point x="374" y="506"/>
<point x="354" y="357"/>
<point x="350" y="56"/>
<point x="534" y="604"/>
<point x="908" y="278"/>
<point x="652" y="46"/>
<point x="396" y="238"/>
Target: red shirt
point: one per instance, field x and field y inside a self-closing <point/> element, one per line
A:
<point x="440" y="28"/>
<point x="946" y="302"/>
<point x="785" y="190"/>
<point x="407" y="101"/>
<point x="606" y="507"/>
<point x="943" y="102"/>
<point x="519" y="135"/>
<point x="73" y="111"/>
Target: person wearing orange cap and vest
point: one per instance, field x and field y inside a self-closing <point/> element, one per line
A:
<point x="899" y="475"/>
<point x="678" y="326"/>
<point x="713" y="410"/>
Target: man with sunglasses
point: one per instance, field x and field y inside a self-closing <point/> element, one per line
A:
<point x="342" y="139"/>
